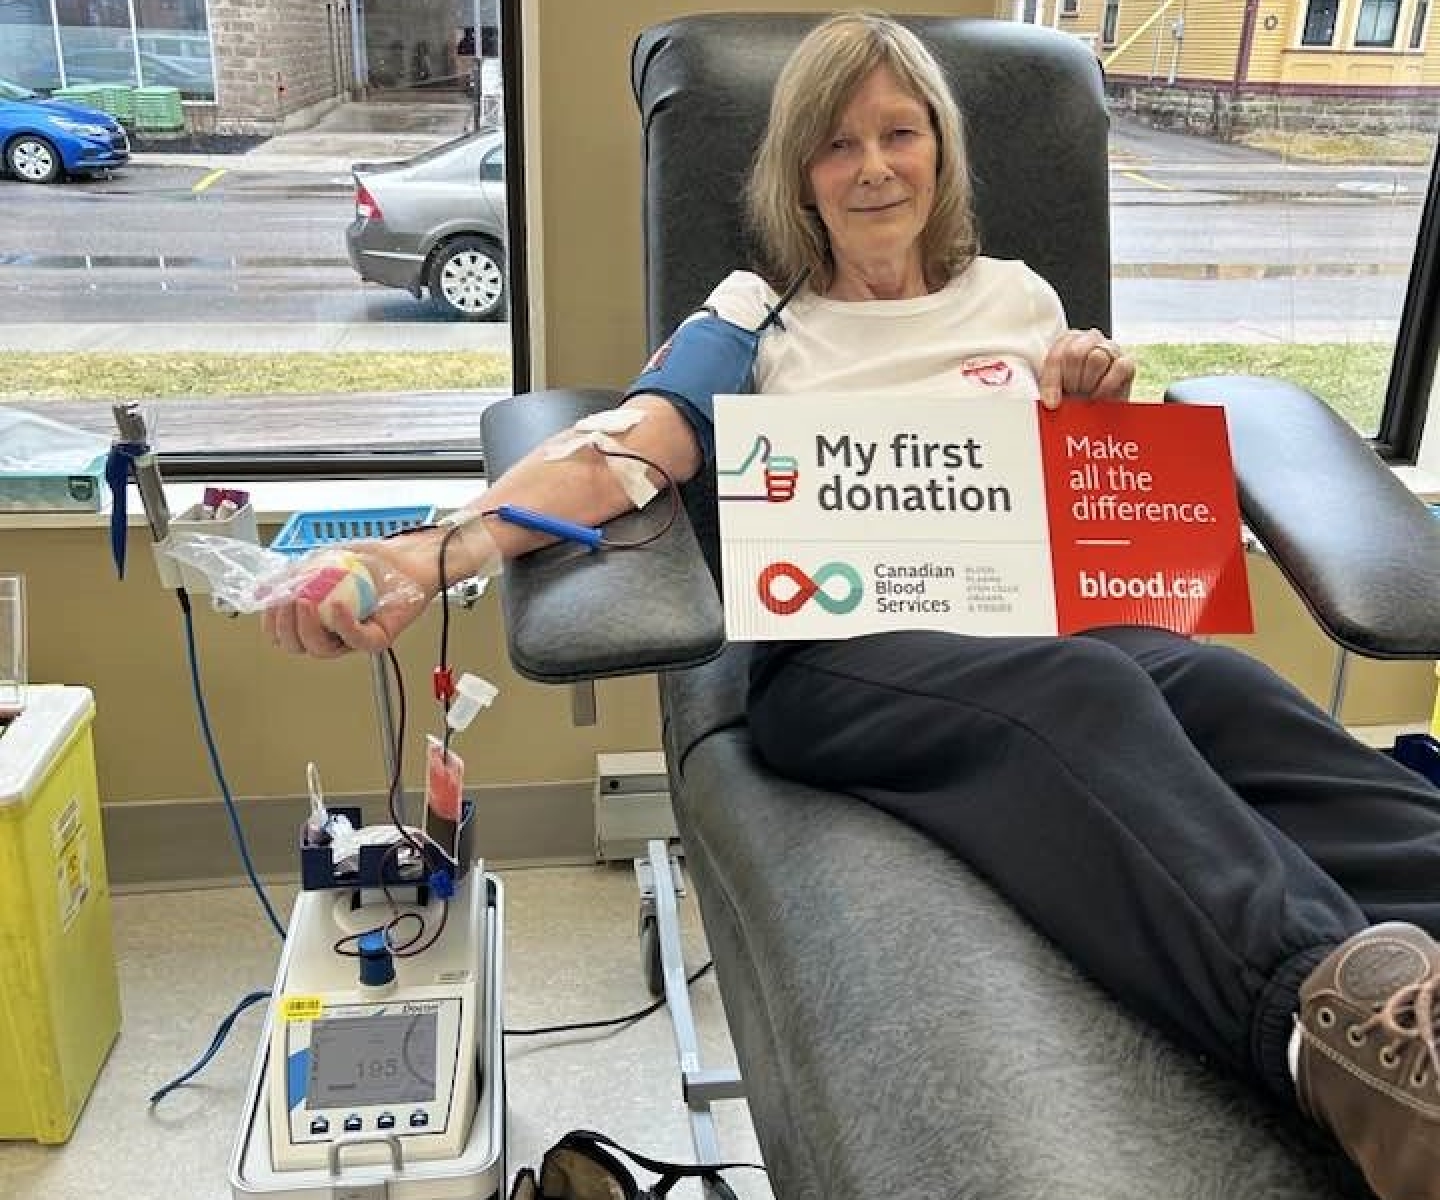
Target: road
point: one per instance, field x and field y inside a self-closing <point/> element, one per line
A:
<point x="1209" y="241"/>
<point x="148" y="246"/>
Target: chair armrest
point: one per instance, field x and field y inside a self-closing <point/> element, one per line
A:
<point x="1359" y="548"/>
<point x="572" y="614"/>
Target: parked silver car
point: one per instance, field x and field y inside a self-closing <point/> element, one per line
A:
<point x="436" y="222"/>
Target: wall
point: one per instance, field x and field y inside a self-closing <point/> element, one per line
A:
<point x="272" y="58"/>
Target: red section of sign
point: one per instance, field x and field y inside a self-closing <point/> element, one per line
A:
<point x="1144" y="522"/>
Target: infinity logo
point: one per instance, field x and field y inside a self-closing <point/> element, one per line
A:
<point x="808" y="588"/>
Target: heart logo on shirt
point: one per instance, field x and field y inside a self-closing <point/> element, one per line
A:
<point x="992" y="372"/>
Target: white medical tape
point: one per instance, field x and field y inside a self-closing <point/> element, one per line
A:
<point x="595" y="431"/>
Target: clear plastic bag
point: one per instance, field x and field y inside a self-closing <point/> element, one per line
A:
<point x="246" y="578"/>
<point x="32" y="443"/>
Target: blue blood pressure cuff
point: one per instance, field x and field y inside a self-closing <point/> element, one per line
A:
<point x="706" y="357"/>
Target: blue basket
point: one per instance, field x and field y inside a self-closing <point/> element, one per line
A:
<point x="311" y="530"/>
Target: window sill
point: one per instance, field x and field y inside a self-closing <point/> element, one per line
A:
<point x="274" y="500"/>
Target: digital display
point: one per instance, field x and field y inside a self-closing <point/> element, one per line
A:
<point x="372" y="1060"/>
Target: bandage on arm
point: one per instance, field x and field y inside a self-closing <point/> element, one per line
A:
<point x="706" y="357"/>
<point x="581" y="486"/>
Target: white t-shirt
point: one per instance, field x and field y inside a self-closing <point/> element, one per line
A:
<point x="985" y="333"/>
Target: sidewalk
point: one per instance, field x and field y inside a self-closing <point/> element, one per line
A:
<point x="354" y="131"/>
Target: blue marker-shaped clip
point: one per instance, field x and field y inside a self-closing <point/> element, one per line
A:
<point x="584" y="534"/>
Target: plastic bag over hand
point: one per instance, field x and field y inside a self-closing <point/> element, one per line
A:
<point x="248" y="578"/>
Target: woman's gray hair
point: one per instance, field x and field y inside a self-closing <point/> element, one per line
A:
<point x="813" y="89"/>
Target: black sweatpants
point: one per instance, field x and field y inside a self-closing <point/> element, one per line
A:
<point x="1183" y="823"/>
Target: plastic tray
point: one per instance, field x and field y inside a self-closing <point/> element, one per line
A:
<point x="309" y="530"/>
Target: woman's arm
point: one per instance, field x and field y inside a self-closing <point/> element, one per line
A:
<point x="582" y="488"/>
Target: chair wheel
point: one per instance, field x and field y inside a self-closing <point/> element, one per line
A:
<point x="650" y="956"/>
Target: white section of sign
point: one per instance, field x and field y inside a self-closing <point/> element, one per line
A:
<point x="849" y="514"/>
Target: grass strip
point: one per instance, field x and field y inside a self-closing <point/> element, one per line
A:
<point x="1351" y="377"/>
<point x="107" y="376"/>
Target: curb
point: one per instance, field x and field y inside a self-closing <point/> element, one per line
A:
<point x="246" y="163"/>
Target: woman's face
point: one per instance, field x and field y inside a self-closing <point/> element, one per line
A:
<point x="873" y="179"/>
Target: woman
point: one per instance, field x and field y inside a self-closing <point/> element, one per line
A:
<point x="1270" y="905"/>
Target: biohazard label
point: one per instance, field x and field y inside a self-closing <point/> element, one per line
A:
<point x="72" y="863"/>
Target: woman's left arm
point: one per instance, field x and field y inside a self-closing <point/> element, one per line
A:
<point x="1085" y="364"/>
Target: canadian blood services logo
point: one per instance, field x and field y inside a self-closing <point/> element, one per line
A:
<point x="799" y="588"/>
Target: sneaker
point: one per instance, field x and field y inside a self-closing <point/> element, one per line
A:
<point x="1369" y="1068"/>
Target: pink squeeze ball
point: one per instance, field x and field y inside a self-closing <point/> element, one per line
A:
<point x="342" y="585"/>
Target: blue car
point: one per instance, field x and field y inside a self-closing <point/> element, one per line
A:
<point x="42" y="140"/>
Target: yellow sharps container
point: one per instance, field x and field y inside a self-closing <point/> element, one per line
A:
<point x="60" y="1003"/>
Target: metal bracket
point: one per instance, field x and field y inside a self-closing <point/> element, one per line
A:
<point x="659" y="878"/>
<point x="645" y="880"/>
<point x="582" y="703"/>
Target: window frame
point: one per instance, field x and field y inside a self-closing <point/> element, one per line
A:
<point x="1309" y="13"/>
<point x="1397" y="440"/>
<point x="1374" y="8"/>
<point x="1419" y="18"/>
<point x="1417" y="339"/>
<point x="1110" y="23"/>
<point x="379" y="463"/>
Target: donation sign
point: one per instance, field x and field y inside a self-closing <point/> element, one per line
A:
<point x="849" y="514"/>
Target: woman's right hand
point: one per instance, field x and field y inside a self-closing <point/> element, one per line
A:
<point x="405" y="572"/>
<point x="1084" y="363"/>
<point x="405" y="577"/>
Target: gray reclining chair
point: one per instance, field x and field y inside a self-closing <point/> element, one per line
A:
<point x="901" y="1031"/>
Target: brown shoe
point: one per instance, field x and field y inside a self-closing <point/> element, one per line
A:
<point x="1369" y="1059"/>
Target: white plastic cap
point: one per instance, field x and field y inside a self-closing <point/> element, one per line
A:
<point x="471" y="695"/>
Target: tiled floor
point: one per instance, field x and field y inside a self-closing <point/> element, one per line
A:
<point x="571" y="954"/>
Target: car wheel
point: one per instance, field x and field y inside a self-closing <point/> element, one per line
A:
<point x="467" y="277"/>
<point x="33" y="159"/>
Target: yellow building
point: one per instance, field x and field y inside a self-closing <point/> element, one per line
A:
<point x="1232" y="65"/>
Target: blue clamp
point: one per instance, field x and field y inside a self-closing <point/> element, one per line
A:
<point x="584" y="534"/>
<point x="442" y="883"/>
<point x="119" y="465"/>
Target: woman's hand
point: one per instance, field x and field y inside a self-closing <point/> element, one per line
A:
<point x="405" y="576"/>
<point x="405" y="572"/>
<point x="1085" y="363"/>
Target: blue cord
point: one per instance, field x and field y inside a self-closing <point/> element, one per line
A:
<point x="215" y="1043"/>
<point x="222" y="1031"/>
<point x="204" y="714"/>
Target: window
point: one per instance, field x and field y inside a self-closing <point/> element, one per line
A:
<point x="173" y="41"/>
<point x="97" y="42"/>
<point x="1302" y="242"/>
<point x="492" y="167"/>
<point x="1070" y="8"/>
<point x="1110" y="23"/>
<point x="294" y="279"/>
<point x="1417" y="26"/>
<point x="1319" y="23"/>
<point x="1376" y="23"/>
